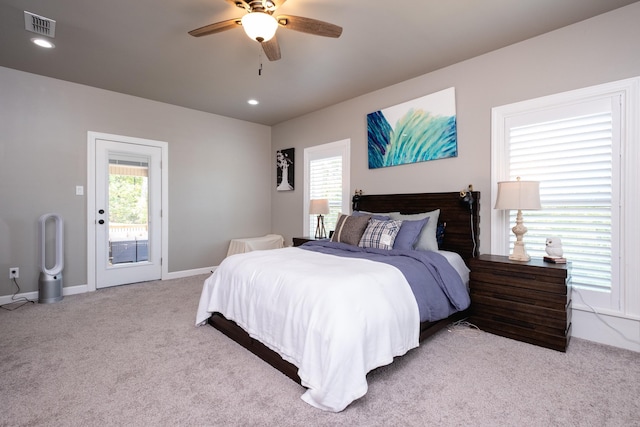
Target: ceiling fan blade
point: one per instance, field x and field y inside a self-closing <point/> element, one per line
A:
<point x="216" y="27"/>
<point x="271" y="48"/>
<point x="308" y="25"/>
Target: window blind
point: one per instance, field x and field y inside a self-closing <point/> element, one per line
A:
<point x="572" y="158"/>
<point x="325" y="182"/>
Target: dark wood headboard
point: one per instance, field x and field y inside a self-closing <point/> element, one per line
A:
<point x="462" y="220"/>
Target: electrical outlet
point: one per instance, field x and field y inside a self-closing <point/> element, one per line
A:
<point x="14" y="273"/>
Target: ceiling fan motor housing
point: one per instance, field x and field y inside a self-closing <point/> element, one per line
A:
<point x="256" y="5"/>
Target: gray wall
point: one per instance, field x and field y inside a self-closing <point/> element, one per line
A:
<point x="595" y="51"/>
<point x="217" y="166"/>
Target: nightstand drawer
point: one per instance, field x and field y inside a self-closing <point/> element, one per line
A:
<point x="555" y="301"/>
<point x="526" y="316"/>
<point x="527" y="279"/>
<point x="532" y="336"/>
<point x="297" y="241"/>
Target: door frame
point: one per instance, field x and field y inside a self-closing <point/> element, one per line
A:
<point x="91" y="200"/>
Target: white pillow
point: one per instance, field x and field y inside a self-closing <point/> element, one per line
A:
<point x="427" y="239"/>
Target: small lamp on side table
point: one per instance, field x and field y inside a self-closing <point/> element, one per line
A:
<point x="520" y="195"/>
<point x="319" y="207"/>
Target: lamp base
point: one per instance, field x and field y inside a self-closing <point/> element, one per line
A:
<point x="321" y="232"/>
<point x="519" y="253"/>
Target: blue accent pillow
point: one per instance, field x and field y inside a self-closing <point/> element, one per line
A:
<point x="408" y="234"/>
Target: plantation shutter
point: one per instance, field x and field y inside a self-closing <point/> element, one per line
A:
<point x="325" y="182"/>
<point x="571" y="151"/>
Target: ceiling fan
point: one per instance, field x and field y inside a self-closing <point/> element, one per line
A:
<point x="260" y="25"/>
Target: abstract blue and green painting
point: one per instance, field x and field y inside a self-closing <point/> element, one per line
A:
<point x="415" y="131"/>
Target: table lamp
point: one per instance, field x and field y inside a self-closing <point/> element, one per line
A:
<point x="319" y="207"/>
<point x="520" y="195"/>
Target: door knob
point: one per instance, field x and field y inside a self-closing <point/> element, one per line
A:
<point x="101" y="221"/>
<point x="101" y="211"/>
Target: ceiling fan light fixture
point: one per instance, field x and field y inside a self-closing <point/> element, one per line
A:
<point x="259" y="26"/>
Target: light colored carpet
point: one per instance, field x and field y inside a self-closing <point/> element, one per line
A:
<point x="132" y="356"/>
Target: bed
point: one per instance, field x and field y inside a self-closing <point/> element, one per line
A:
<point x="295" y="309"/>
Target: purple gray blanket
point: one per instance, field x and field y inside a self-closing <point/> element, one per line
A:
<point x="437" y="287"/>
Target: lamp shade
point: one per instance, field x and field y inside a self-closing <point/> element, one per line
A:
<point x="521" y="195"/>
<point x="259" y="26"/>
<point x="319" y="206"/>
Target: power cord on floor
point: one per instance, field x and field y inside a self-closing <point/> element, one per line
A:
<point x="15" y="300"/>
<point x="463" y="326"/>
<point x="602" y="319"/>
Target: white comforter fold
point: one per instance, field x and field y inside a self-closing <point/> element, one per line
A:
<point x="334" y="318"/>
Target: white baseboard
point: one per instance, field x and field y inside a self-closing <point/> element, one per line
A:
<point x="189" y="273"/>
<point x="8" y="299"/>
<point x="81" y="289"/>
<point x="33" y="296"/>
<point x="605" y="329"/>
<point x="75" y="290"/>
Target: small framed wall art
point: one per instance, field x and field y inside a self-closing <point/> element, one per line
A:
<point x="285" y="169"/>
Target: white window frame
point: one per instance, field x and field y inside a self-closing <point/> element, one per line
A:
<point x="332" y="149"/>
<point x="625" y="287"/>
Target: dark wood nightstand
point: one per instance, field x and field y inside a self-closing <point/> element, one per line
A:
<point x="526" y="301"/>
<point x="297" y="241"/>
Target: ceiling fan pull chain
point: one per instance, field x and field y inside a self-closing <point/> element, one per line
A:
<point x="260" y="60"/>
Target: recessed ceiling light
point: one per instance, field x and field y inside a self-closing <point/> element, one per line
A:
<point x="253" y="102"/>
<point x="43" y="42"/>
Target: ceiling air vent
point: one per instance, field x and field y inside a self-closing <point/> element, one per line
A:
<point x="39" y="24"/>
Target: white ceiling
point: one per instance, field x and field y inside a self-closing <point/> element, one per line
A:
<point x="141" y="47"/>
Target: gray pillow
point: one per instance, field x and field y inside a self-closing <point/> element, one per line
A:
<point x="427" y="239"/>
<point x="349" y="229"/>
<point x="379" y="217"/>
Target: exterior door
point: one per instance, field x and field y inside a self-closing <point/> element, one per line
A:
<point x="128" y="214"/>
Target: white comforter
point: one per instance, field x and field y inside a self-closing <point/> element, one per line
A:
<point x="334" y="318"/>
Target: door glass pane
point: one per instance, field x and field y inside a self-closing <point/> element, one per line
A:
<point x="128" y="209"/>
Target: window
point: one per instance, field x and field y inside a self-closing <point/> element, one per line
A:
<point x="572" y="157"/>
<point x="326" y="177"/>
<point x="573" y="143"/>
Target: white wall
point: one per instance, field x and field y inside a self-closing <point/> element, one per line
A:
<point x="595" y="51"/>
<point x="217" y="166"/>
